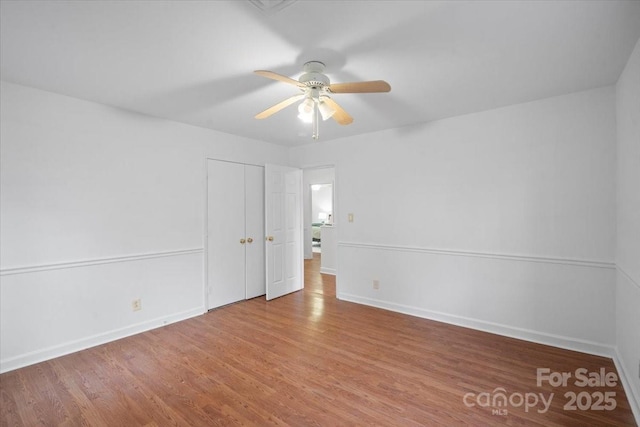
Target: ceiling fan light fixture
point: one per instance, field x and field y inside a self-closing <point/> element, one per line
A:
<point x="306" y="118"/>
<point x="306" y="106"/>
<point x="326" y="110"/>
<point x="305" y="110"/>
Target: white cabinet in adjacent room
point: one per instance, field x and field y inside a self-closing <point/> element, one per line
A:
<point x="235" y="232"/>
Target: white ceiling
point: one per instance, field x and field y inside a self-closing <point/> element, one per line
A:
<point x="192" y="61"/>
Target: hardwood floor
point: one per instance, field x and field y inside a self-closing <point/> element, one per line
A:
<point x="306" y="359"/>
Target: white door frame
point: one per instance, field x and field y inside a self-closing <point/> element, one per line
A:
<point x="307" y="198"/>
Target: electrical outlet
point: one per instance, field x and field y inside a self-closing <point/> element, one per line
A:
<point x="376" y="284"/>
<point x="136" y="304"/>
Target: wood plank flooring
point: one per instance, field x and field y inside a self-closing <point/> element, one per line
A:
<point x="306" y="359"/>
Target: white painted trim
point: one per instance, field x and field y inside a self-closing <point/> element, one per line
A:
<point x="510" y="257"/>
<point x="95" y="340"/>
<point x="325" y="270"/>
<point x="560" y="341"/>
<point x="627" y="275"/>
<point x="205" y="233"/>
<point x="633" y="395"/>
<point x="96" y="261"/>
<point x="233" y="161"/>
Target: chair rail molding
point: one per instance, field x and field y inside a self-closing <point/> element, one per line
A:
<point x="97" y="261"/>
<point x="493" y="255"/>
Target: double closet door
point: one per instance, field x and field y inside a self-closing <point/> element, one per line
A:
<point x="235" y="234"/>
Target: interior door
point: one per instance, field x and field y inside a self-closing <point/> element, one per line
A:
<point x="254" y="229"/>
<point x="226" y="237"/>
<point x="283" y="223"/>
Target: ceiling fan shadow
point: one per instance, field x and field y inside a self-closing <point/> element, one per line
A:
<point x="331" y="58"/>
<point x="403" y="36"/>
<point x="208" y="94"/>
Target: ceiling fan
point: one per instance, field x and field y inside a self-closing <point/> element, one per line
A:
<point x="316" y="95"/>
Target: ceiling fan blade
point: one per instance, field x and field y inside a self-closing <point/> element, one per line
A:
<point x="279" y="77"/>
<point x="340" y="115"/>
<point x="279" y="106"/>
<point x="360" y="87"/>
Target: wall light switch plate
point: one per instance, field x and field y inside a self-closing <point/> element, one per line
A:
<point x="350" y="217"/>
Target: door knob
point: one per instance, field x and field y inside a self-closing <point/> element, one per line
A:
<point x="242" y="241"/>
<point x="270" y="238"/>
<point x="249" y="240"/>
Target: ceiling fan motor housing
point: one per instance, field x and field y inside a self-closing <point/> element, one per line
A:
<point x="313" y="77"/>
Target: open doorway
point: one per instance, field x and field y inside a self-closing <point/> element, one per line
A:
<point x="320" y="239"/>
<point x="321" y="213"/>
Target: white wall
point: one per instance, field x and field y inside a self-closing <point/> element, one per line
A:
<point x="502" y="220"/>
<point x="628" y="225"/>
<point x="99" y="206"/>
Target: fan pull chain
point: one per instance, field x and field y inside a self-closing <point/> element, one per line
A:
<point x="314" y="120"/>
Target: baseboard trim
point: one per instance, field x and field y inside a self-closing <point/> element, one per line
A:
<point x="96" y="261"/>
<point x="583" y="346"/>
<point x="633" y="395"/>
<point x="567" y="343"/>
<point x="95" y="340"/>
<point x="325" y="270"/>
<point x="509" y="257"/>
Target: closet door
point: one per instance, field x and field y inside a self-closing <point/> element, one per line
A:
<point x="226" y="238"/>
<point x="254" y="227"/>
